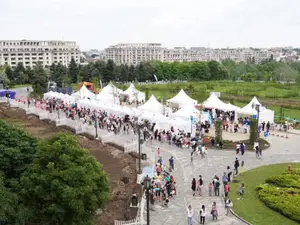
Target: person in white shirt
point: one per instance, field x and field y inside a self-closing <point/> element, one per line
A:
<point x="190" y="214"/>
<point x="202" y="214"/>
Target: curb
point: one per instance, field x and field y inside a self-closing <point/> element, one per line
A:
<point x="239" y="218"/>
<point x="280" y="135"/>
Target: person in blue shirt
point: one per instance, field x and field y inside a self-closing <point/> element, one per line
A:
<point x="160" y="160"/>
<point x="225" y="178"/>
<point x="171" y="163"/>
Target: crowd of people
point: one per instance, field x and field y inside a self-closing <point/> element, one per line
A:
<point x="163" y="184"/>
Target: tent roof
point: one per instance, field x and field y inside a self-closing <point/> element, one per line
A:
<point x="214" y="102"/>
<point x="131" y="91"/>
<point x="152" y="105"/>
<point x="84" y="92"/>
<point x="187" y="111"/>
<point x="248" y="108"/>
<point x="233" y="107"/>
<point x="182" y="98"/>
<point x="111" y="89"/>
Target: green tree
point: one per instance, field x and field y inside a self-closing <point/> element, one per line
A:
<point x="39" y="79"/>
<point x="64" y="184"/>
<point x="17" y="150"/>
<point x="219" y="131"/>
<point x="9" y="74"/>
<point x="17" y="73"/>
<point x="12" y="211"/>
<point x="3" y="79"/>
<point x="108" y="73"/>
<point x="253" y="130"/>
<point x="132" y="73"/>
<point x="73" y="70"/>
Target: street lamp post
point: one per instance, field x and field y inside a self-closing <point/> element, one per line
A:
<point x="147" y="186"/>
<point x="257" y="108"/>
<point x="139" y="145"/>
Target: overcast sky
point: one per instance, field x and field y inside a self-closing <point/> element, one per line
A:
<point x="98" y="23"/>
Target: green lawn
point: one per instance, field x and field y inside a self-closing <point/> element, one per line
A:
<point x="250" y="207"/>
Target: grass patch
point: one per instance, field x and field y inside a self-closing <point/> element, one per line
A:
<point x="251" y="208"/>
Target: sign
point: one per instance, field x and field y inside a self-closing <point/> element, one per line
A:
<point x="253" y="116"/>
<point x="191" y="118"/>
<point x="148" y="170"/>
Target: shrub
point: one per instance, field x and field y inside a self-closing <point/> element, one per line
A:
<point x="282" y="194"/>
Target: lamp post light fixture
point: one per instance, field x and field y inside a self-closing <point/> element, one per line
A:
<point x="147" y="186"/>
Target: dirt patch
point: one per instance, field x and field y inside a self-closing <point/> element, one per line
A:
<point x="115" y="162"/>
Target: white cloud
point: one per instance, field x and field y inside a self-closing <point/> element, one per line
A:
<point x="97" y="24"/>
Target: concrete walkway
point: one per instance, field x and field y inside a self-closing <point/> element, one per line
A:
<point x="282" y="150"/>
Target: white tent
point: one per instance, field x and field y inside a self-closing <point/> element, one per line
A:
<point x="152" y="105"/>
<point x="265" y="114"/>
<point x="105" y="97"/>
<point x="214" y="102"/>
<point x="233" y="107"/>
<point x="186" y="112"/>
<point x="83" y="93"/>
<point x="51" y="94"/>
<point x="111" y="89"/>
<point x="182" y="99"/>
<point x="133" y="94"/>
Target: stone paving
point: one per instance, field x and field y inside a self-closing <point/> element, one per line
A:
<point x="281" y="150"/>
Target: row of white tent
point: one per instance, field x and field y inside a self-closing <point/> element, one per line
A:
<point x="110" y="96"/>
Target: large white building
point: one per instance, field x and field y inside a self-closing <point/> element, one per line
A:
<point x="29" y="52"/>
<point x="132" y="54"/>
<point x="136" y="53"/>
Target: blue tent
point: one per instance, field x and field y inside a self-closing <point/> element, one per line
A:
<point x="3" y="93"/>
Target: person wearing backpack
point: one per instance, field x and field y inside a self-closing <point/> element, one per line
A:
<point x="202" y="214"/>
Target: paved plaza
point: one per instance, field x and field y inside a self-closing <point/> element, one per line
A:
<point x="281" y="150"/>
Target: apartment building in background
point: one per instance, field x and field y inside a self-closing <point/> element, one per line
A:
<point x="133" y="54"/>
<point x="29" y="52"/>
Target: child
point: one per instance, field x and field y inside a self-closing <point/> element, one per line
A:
<point x="158" y="152"/>
<point x="210" y="187"/>
<point x="242" y="168"/>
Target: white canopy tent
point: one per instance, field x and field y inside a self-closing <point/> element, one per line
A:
<point x="133" y="94"/>
<point x="181" y="99"/>
<point x="265" y="115"/>
<point x="152" y="105"/>
<point x="105" y="97"/>
<point x="83" y="93"/>
<point x="51" y="94"/>
<point x="233" y="107"/>
<point x="214" y="102"/>
<point x="186" y="112"/>
<point x="111" y="89"/>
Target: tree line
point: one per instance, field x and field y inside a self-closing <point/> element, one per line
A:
<point x="64" y="76"/>
<point x="50" y="181"/>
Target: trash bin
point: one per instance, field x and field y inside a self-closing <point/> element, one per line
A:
<point x="144" y="156"/>
<point x="134" y="200"/>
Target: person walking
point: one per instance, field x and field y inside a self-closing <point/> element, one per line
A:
<point x="202" y="214"/>
<point x="194" y="186"/>
<point x="214" y="211"/>
<point x="171" y="163"/>
<point x="257" y="151"/>
<point x="190" y="215"/>
<point x="200" y="185"/>
<point x="228" y="206"/>
<point x="236" y="166"/>
<point x="229" y="173"/>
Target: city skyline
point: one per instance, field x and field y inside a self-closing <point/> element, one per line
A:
<point x="99" y="24"/>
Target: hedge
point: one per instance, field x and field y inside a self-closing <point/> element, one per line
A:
<point x="282" y="194"/>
